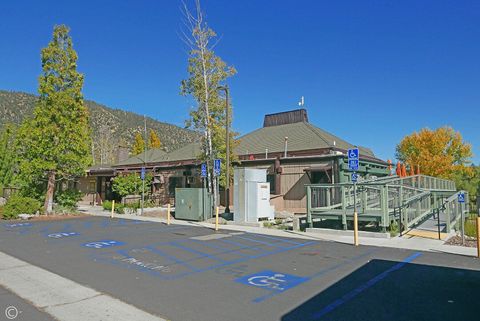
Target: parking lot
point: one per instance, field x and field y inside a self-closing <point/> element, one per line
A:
<point x="183" y="272"/>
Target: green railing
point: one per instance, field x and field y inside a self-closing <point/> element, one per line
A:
<point x="377" y="201"/>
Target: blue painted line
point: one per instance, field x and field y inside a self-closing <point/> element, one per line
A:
<point x="202" y="254"/>
<point x="320" y="273"/>
<point x="276" y="238"/>
<point x="260" y="242"/>
<point x="243" y="246"/>
<point x="224" y="249"/>
<point x="171" y="257"/>
<point x="352" y="294"/>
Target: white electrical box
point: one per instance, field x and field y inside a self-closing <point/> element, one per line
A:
<point x="251" y="200"/>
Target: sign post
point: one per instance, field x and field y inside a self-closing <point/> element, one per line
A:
<point x="353" y="164"/>
<point x="142" y="176"/>
<point x="461" y="201"/>
<point x="203" y="174"/>
<point x="216" y="172"/>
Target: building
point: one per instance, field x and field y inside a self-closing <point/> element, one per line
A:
<point x="293" y="151"/>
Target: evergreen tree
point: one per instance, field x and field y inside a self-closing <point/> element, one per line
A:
<point x="153" y="140"/>
<point x="56" y="141"/>
<point x="8" y="159"/>
<point x="139" y="145"/>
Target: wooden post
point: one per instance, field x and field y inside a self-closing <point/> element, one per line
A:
<point x="168" y="214"/>
<point x="113" y="208"/>
<point x="216" y="219"/>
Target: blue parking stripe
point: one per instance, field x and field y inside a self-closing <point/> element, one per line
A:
<point x="320" y="273"/>
<point x="352" y="294"/>
<point x="224" y="249"/>
<point x="202" y="254"/>
<point x="171" y="257"/>
<point x="260" y="242"/>
<point x="276" y="238"/>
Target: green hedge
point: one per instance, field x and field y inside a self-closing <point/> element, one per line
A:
<point x="17" y="204"/>
<point x="69" y="198"/>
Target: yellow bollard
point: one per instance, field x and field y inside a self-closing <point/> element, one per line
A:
<point x="113" y="208"/>
<point x="478" y="237"/>
<point x="216" y="220"/>
<point x="168" y="214"/>
<point x="355" y="228"/>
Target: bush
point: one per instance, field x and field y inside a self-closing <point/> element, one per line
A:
<point x="471" y="228"/>
<point x="20" y="205"/>
<point x="68" y="198"/>
<point x="107" y="205"/>
<point x="119" y="208"/>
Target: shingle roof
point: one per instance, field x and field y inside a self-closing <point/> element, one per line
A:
<point x="151" y="155"/>
<point x="301" y="136"/>
<point x="187" y="152"/>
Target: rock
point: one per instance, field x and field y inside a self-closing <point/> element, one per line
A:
<point x="25" y="216"/>
<point x="3" y="201"/>
<point x="284" y="214"/>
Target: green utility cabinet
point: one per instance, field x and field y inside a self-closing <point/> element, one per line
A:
<point x="193" y="204"/>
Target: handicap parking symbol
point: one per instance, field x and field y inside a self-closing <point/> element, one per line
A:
<point x="102" y="244"/>
<point x="62" y="235"/>
<point x="18" y="225"/>
<point x="271" y="280"/>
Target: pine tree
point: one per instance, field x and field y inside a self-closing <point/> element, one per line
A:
<point x="56" y="141"/>
<point x="139" y="145"/>
<point x="153" y="140"/>
<point x="8" y="159"/>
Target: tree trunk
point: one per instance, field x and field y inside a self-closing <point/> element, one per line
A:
<point x="50" y="190"/>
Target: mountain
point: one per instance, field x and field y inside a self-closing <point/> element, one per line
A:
<point x="113" y="129"/>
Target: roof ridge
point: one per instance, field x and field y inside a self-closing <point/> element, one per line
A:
<point x="313" y="131"/>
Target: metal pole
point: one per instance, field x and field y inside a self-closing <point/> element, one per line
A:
<point x="227" y="157"/>
<point x="438" y="224"/>
<point x="355" y="215"/>
<point x="462" y="215"/>
<point x="144" y="159"/>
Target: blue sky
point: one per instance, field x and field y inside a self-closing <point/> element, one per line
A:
<point x="371" y="71"/>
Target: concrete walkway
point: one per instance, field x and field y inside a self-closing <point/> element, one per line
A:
<point x="422" y="244"/>
<point x="62" y="298"/>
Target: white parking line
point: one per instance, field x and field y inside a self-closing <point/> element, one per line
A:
<point x="63" y="298"/>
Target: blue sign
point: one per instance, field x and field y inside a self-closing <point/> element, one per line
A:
<point x="461" y="197"/>
<point x="353" y="154"/>
<point x="354" y="177"/>
<point x="103" y="244"/>
<point x="62" y="235"/>
<point x="353" y="159"/>
<point x="142" y="173"/>
<point x="216" y="167"/>
<point x="270" y="280"/>
<point x="204" y="170"/>
<point x="353" y="165"/>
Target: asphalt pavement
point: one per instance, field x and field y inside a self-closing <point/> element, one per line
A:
<point x="182" y="272"/>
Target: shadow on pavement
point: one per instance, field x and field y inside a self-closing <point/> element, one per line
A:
<point x="388" y="290"/>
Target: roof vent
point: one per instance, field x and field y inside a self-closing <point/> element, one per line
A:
<point x="286" y="117"/>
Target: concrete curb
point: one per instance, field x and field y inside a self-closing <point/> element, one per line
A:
<point x="62" y="298"/>
<point x="417" y="244"/>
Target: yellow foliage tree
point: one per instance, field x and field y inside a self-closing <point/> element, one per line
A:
<point x="154" y="140"/>
<point x="139" y="145"/>
<point x="440" y="152"/>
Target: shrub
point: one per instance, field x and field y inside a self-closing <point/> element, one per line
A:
<point x="20" y="205"/>
<point x="68" y="198"/>
<point x="119" y="208"/>
<point x="107" y="205"/>
<point x="470" y="228"/>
